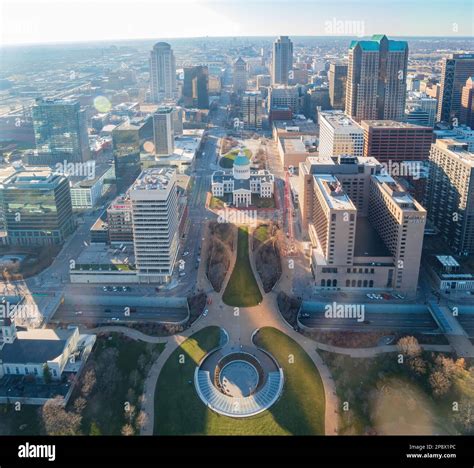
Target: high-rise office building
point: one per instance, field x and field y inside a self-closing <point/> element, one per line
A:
<point x="450" y="194"/>
<point x="178" y="115"/>
<point x="466" y="116"/>
<point x="240" y="76"/>
<point x="163" y="131"/>
<point x="37" y="207"/>
<point x="252" y="110"/>
<point x="337" y="76"/>
<point x="365" y="230"/>
<point x="339" y="134"/>
<point x="127" y="143"/>
<point x="387" y="140"/>
<point x="376" y="79"/>
<point x="162" y="73"/>
<point x="456" y="69"/>
<point x="282" y="60"/>
<point x="61" y="130"/>
<point x="196" y="87"/>
<point x="154" y="199"/>
<point x="281" y="96"/>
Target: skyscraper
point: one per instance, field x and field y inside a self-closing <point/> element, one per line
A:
<point x="163" y="131"/>
<point x="240" y="75"/>
<point x="196" y="87"/>
<point x="61" y="130"/>
<point x="37" y="207"/>
<point x="376" y="79"/>
<point x="252" y="110"/>
<point x="456" y="69"/>
<point x="467" y="103"/>
<point x="450" y="193"/>
<point x="127" y="142"/>
<point x="162" y="73"/>
<point x="282" y="60"/>
<point x="154" y="199"/>
<point x="337" y="76"/>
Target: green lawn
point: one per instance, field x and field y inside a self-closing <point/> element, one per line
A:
<point x="227" y="161"/>
<point x="178" y="409"/>
<point x="242" y="289"/>
<point x="299" y="411"/>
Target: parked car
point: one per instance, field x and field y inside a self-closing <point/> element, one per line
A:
<point x="305" y="315"/>
<point x="185" y="254"/>
<point x="205" y="312"/>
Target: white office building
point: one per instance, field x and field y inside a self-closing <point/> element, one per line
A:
<point x="154" y="199"/>
<point x="162" y="73"/>
<point x="163" y="131"/>
<point x="339" y="135"/>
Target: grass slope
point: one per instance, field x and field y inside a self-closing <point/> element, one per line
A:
<point x="242" y="289"/>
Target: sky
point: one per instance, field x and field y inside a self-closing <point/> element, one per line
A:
<point x="46" y="21"/>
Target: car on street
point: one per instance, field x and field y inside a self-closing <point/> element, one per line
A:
<point x="115" y="289"/>
<point x="182" y="274"/>
<point x="79" y="312"/>
<point x="115" y="319"/>
<point x="205" y="312"/>
<point x="305" y="315"/>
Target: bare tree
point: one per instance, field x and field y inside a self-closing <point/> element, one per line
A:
<point x="439" y="383"/>
<point x="128" y="430"/>
<point x="57" y="421"/>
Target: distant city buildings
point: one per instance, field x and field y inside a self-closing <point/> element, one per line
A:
<point x="240" y="76"/>
<point x="456" y="69"/>
<point x="60" y="130"/>
<point x="196" y="87"/>
<point x="37" y="208"/>
<point x="154" y="200"/>
<point x="450" y="194"/>
<point x="420" y="109"/>
<point x="376" y="79"/>
<point x="252" y="110"/>
<point x="339" y="135"/>
<point x="163" y="131"/>
<point x="337" y="77"/>
<point x="282" y="60"/>
<point x="162" y="73"/>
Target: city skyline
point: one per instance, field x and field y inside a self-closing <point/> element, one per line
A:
<point x="32" y="22"/>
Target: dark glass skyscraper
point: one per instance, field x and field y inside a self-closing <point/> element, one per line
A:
<point x="127" y="140"/>
<point x="456" y="69"/>
<point x="61" y="130"/>
<point x="37" y="207"/>
<point x="196" y="87"/>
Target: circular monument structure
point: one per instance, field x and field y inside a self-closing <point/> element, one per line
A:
<point x="239" y="384"/>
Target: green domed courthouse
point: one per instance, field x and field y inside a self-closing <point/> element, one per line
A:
<point x="242" y="182"/>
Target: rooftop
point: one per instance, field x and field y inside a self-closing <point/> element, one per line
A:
<point x="333" y="192"/>
<point x="392" y="124"/>
<point x="154" y="179"/>
<point x="338" y="120"/>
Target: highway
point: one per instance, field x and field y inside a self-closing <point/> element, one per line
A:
<point x="373" y="321"/>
